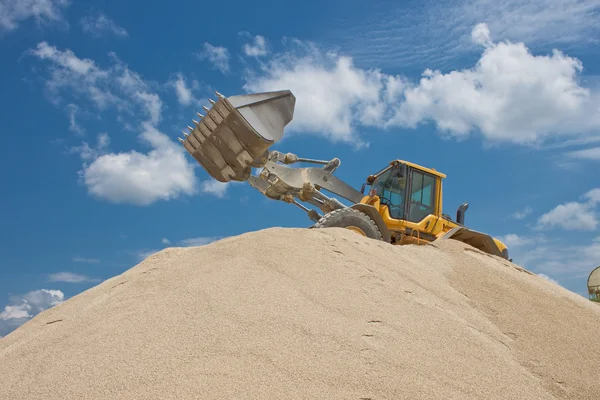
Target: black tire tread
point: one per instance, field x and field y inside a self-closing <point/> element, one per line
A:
<point x="331" y="219"/>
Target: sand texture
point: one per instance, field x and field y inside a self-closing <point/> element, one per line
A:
<point x="311" y="314"/>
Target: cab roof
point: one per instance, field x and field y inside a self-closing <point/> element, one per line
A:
<point x="431" y="171"/>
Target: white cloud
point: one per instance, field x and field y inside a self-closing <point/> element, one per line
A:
<point x="593" y="196"/>
<point x="481" y="35"/>
<point x="592" y="153"/>
<point x="522" y="214"/>
<point x="386" y="37"/>
<point x="257" y="48"/>
<point x="13" y="12"/>
<point x="537" y="21"/>
<point x="218" y="56"/>
<point x="74" y="127"/>
<point x="556" y="258"/>
<point x="184" y="94"/>
<point x="510" y="95"/>
<point x="137" y="178"/>
<point x="546" y="277"/>
<point x="574" y="215"/>
<point x="165" y="241"/>
<point x="88" y="153"/>
<point x="86" y="260"/>
<point x="116" y="86"/>
<point x="68" y="61"/>
<point x="15" y="312"/>
<point x="26" y="307"/>
<point x="570" y="216"/>
<point x="69" y="277"/>
<point x="215" y="187"/>
<point x="199" y="241"/>
<point x="134" y="177"/>
<point x="100" y="24"/>
<point x="333" y="96"/>
<point x="512" y="240"/>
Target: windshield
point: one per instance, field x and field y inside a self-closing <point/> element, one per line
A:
<point x="391" y="192"/>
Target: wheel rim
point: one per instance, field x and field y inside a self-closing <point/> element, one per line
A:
<point x="356" y="229"/>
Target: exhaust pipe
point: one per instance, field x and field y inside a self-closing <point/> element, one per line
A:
<point x="236" y="132"/>
<point x="460" y="213"/>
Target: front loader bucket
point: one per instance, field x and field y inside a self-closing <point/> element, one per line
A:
<point x="476" y="239"/>
<point x="235" y="133"/>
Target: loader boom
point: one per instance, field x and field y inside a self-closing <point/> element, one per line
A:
<point x="404" y="205"/>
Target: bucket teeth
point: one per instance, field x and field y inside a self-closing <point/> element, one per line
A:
<point x="180" y="139"/>
<point x="184" y="133"/>
<point x="235" y="133"/>
<point x="190" y="128"/>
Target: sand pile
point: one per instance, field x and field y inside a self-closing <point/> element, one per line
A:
<point x="327" y="314"/>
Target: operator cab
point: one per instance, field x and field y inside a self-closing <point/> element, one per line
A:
<point x="409" y="191"/>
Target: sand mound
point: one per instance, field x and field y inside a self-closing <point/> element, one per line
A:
<point x="322" y="314"/>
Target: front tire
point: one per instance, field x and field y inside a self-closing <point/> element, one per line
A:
<point x="352" y="219"/>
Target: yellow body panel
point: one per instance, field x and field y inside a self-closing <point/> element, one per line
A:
<point x="420" y="167"/>
<point x="431" y="227"/>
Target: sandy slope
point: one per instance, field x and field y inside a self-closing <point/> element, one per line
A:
<point x="328" y="314"/>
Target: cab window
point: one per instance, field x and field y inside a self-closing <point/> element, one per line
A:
<point x="422" y="196"/>
<point x="391" y="191"/>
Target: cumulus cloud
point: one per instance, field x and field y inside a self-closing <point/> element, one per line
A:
<point x="257" y="48"/>
<point x="333" y="96"/>
<point x="13" y="12"/>
<point x="135" y="177"/>
<point x="570" y="216"/>
<point x="556" y="258"/>
<point x="138" y="178"/>
<point x="217" y="55"/>
<point x="510" y="95"/>
<point x="99" y="24"/>
<point x="481" y="35"/>
<point x="23" y="308"/>
<point x="593" y="196"/>
<point x="70" y="277"/>
<point x="573" y="215"/>
<point x="165" y="241"/>
<point x="513" y="240"/>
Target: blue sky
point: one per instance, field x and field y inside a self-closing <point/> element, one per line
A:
<point x="501" y="97"/>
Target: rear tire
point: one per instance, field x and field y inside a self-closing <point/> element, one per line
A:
<point x="352" y="219"/>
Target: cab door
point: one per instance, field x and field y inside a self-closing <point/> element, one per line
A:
<point x="421" y="200"/>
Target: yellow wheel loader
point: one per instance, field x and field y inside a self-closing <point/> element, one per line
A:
<point x="402" y="206"/>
